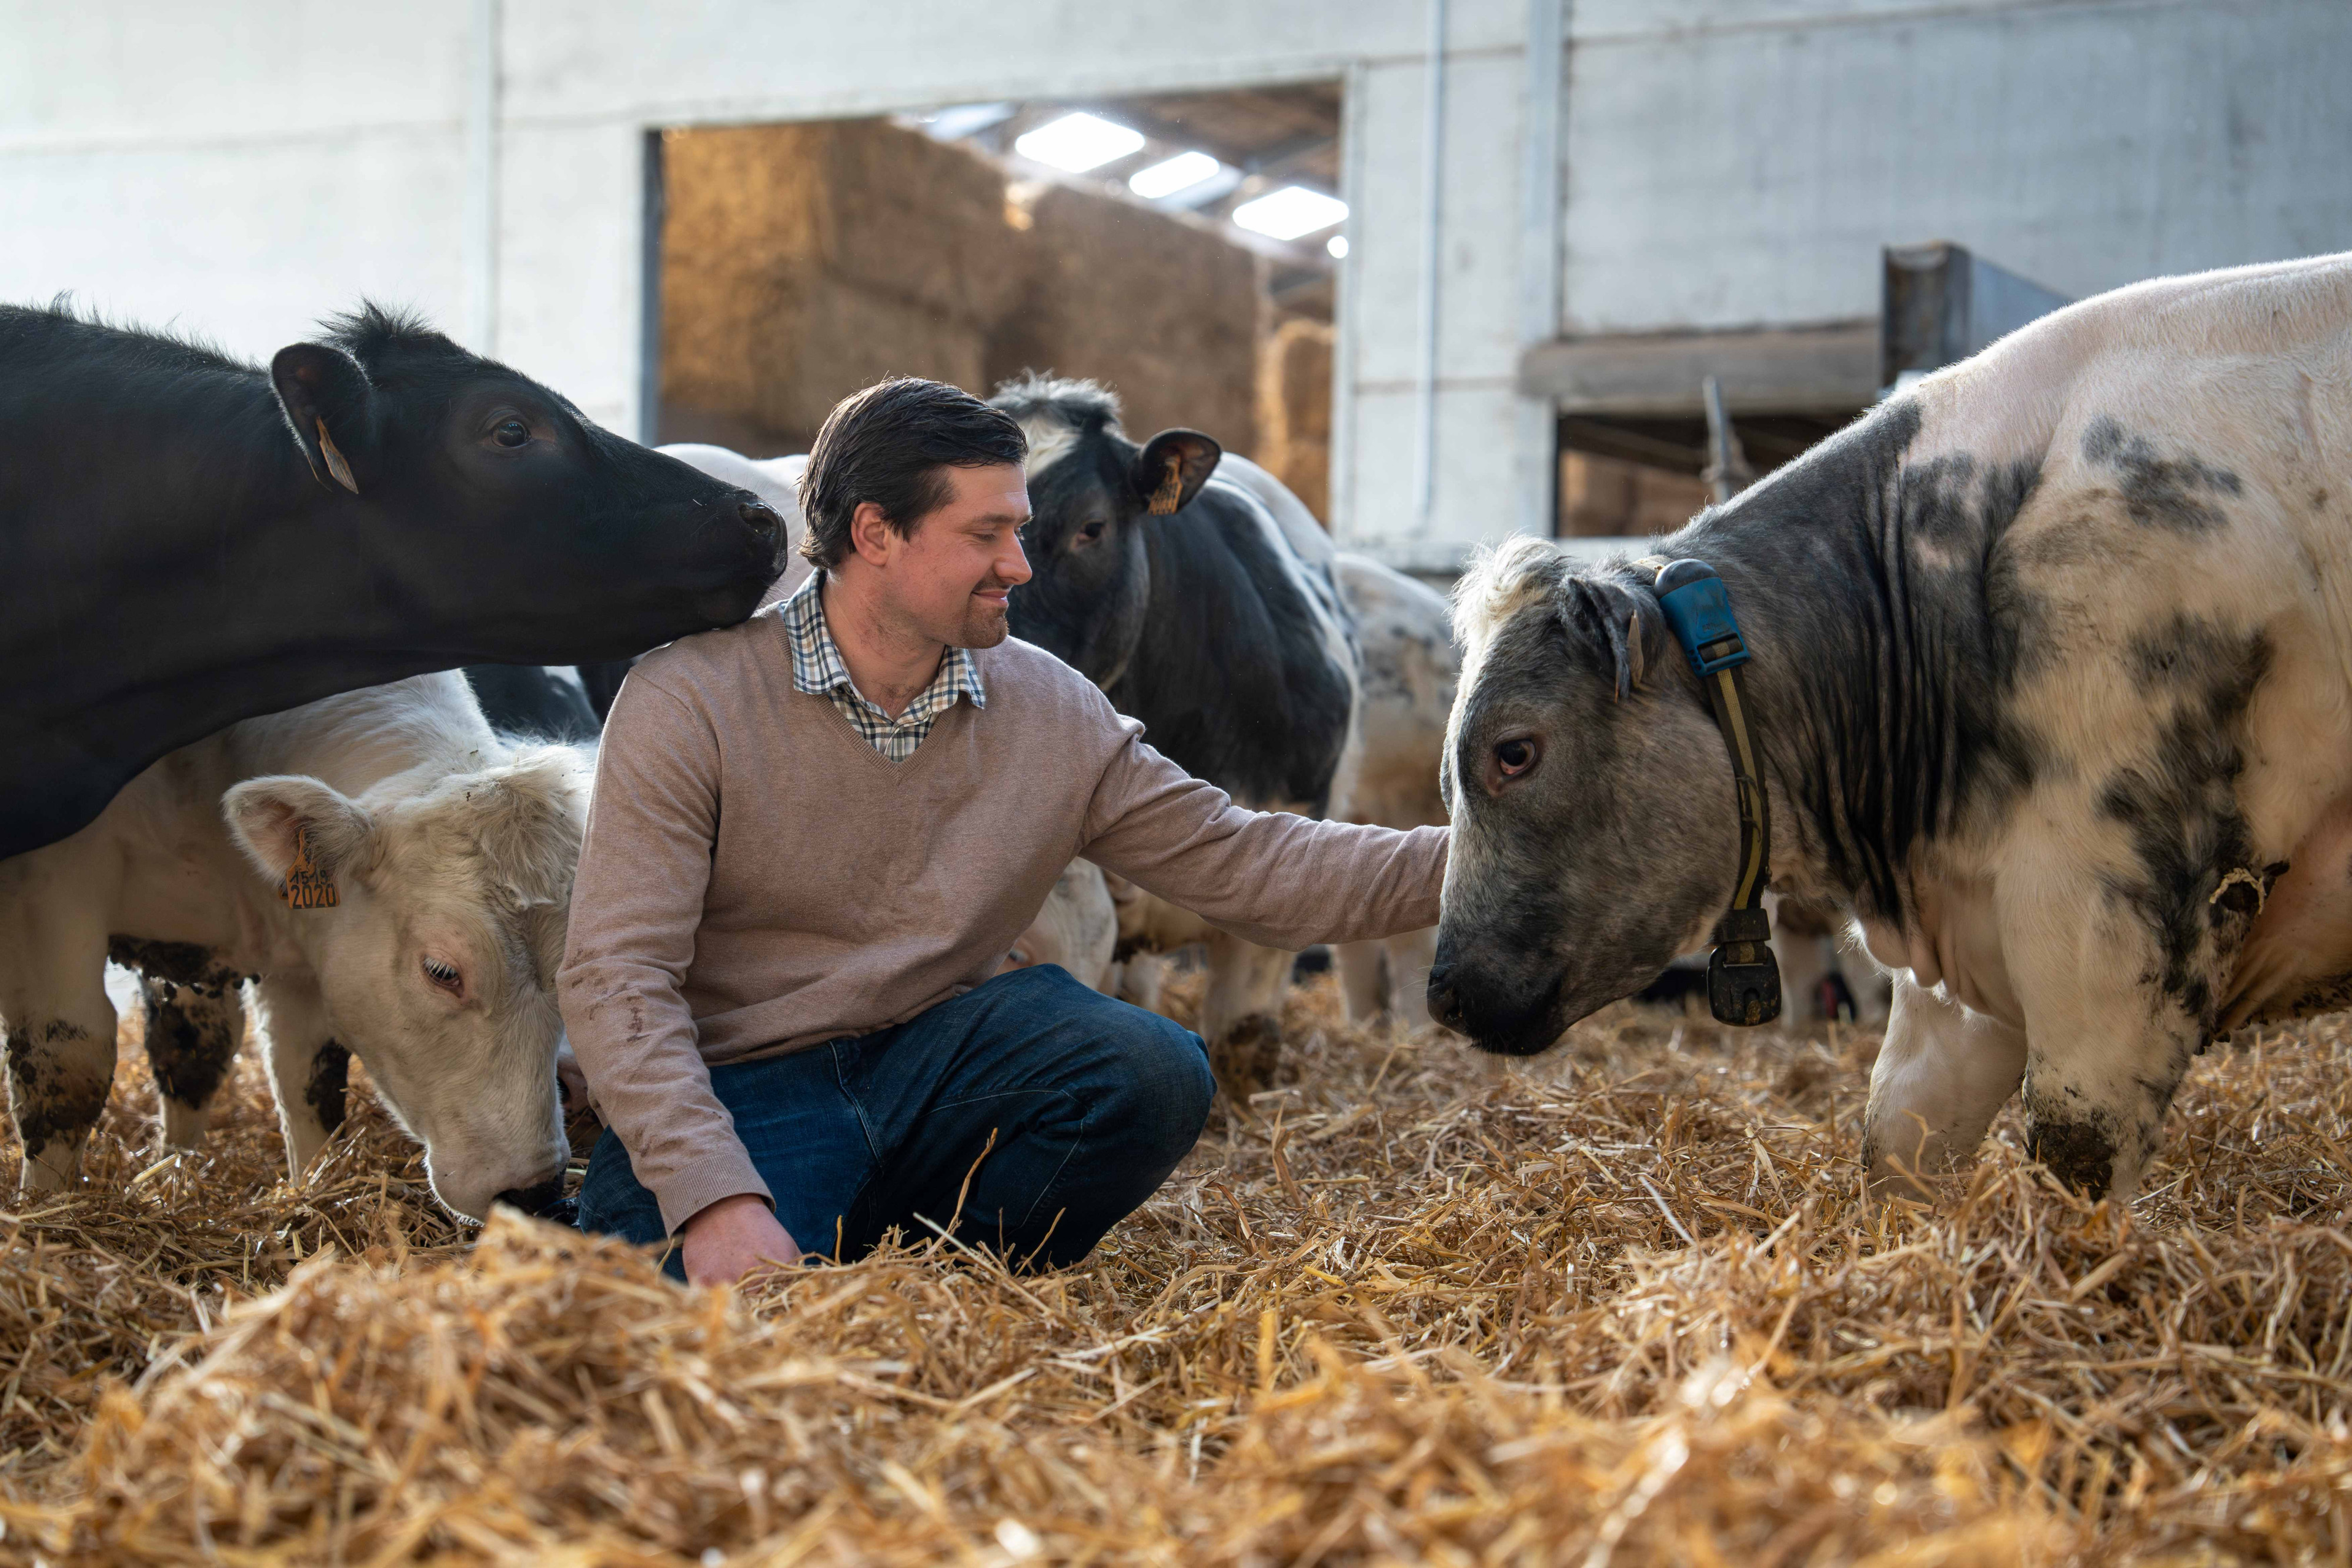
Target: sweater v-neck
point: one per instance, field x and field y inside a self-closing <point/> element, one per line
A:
<point x="896" y="772"/>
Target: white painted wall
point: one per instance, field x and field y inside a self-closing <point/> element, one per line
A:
<point x="1737" y="162"/>
<point x="244" y="167"/>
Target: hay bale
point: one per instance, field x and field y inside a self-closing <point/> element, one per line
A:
<point x="1164" y="311"/>
<point x="800" y="262"/>
<point x="1609" y="498"/>
<point x="1294" y="411"/>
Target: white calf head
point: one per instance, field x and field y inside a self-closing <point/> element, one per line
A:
<point x="437" y="960"/>
<point x="1078" y="928"/>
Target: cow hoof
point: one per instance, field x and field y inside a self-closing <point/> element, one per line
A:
<point x="185" y="1126"/>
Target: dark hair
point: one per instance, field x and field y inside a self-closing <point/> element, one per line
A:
<point x="891" y="445"/>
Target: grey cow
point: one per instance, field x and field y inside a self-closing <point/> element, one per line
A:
<point x="2050" y="684"/>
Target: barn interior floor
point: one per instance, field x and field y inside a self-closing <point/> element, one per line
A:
<point x="1620" y="1303"/>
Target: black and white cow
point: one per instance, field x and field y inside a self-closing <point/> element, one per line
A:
<point x="1185" y="599"/>
<point x="2049" y="681"/>
<point x="186" y="539"/>
<point x="1411" y="668"/>
<point x="1408" y="668"/>
<point x="540" y="702"/>
<point x="394" y="877"/>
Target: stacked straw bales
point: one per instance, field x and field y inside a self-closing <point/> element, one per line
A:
<point x="802" y="262"/>
<point x="1616" y="1305"/>
<point x="1293" y="410"/>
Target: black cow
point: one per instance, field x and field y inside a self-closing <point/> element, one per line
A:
<point x="186" y="540"/>
<point x="543" y="702"/>
<point x="1185" y="601"/>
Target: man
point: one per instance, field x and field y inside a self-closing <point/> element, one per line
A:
<point x="816" y="835"/>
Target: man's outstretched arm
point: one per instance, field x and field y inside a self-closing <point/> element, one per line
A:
<point x="636" y="904"/>
<point x="1268" y="877"/>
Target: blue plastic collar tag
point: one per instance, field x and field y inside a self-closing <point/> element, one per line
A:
<point x="1698" y="611"/>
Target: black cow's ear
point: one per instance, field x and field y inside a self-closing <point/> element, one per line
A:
<point x="330" y="406"/>
<point x="1171" y="469"/>
<point x="1623" y="619"/>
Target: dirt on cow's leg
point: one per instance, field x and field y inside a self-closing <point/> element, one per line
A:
<point x="60" y="1068"/>
<point x="1241" y="1015"/>
<point x="1245" y="1058"/>
<point x="2116" y="1008"/>
<point x="193" y="1029"/>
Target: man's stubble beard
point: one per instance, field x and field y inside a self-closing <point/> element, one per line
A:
<point x="983" y="627"/>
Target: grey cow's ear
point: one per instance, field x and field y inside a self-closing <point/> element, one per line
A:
<point x="1171" y="469"/>
<point x="330" y="406"/>
<point x="1623" y="619"/>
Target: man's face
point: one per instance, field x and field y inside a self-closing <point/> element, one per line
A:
<point x="949" y="580"/>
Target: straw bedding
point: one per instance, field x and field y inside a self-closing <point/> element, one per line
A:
<point x="1619" y="1304"/>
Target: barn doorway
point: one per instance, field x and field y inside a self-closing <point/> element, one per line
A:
<point x="1184" y="249"/>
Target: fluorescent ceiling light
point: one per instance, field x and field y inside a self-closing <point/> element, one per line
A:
<point x="1337" y="246"/>
<point x="1290" y="211"/>
<point x="959" y="121"/>
<point x="1078" y="143"/>
<point x="1170" y="175"/>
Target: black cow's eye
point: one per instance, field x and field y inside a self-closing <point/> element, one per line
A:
<point x="511" y="432"/>
<point x="1513" y="757"/>
<point x="1091" y="533"/>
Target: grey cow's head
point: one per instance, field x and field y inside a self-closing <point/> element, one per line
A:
<point x="1594" y="822"/>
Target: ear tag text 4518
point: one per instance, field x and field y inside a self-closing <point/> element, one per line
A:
<point x="308" y="886"/>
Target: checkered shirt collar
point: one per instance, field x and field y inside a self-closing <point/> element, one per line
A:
<point x="818" y="669"/>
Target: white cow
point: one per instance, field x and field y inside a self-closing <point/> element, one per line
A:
<point x="1079" y="929"/>
<point x="393" y="874"/>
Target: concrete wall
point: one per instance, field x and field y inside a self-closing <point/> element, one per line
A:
<point x="241" y="168"/>
<point x="1736" y="162"/>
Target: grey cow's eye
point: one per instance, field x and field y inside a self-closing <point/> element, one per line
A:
<point x="443" y="975"/>
<point x="1514" y="758"/>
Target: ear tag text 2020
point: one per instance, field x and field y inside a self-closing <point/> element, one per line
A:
<point x="307" y="885"/>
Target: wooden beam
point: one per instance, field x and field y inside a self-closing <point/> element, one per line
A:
<point x="1829" y="367"/>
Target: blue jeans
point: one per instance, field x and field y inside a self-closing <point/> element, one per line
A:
<point x="1091" y="1103"/>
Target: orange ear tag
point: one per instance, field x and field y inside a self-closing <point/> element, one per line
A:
<point x="307" y="887"/>
<point x="1172" y="489"/>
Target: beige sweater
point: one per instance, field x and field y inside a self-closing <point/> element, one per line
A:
<point x="756" y="879"/>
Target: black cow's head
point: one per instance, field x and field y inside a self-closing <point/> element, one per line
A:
<point x="1594" y="822"/>
<point x="1092" y="494"/>
<point x="498" y="520"/>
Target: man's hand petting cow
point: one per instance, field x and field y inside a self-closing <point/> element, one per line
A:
<point x="2047" y="677"/>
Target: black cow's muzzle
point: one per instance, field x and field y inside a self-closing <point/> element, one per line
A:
<point x="763" y="520"/>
